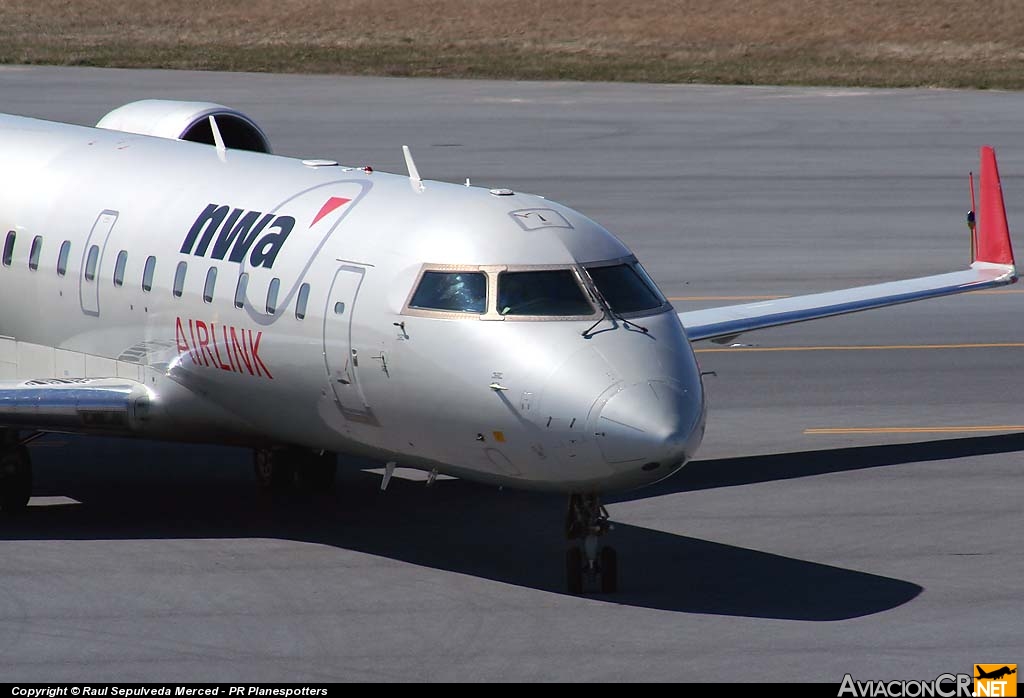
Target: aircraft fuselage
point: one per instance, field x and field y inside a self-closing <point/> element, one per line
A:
<point x="324" y="344"/>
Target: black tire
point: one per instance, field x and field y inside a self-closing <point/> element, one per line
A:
<point x="274" y="473"/>
<point x="15" y="480"/>
<point x="609" y="570"/>
<point x="574" y="570"/>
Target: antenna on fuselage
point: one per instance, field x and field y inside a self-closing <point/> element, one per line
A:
<point x="218" y="140"/>
<point x="414" y="174"/>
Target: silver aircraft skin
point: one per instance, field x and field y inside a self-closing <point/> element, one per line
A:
<point x="161" y="288"/>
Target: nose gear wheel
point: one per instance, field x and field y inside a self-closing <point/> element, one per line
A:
<point x="587" y="562"/>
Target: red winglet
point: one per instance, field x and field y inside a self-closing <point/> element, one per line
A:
<point x="993" y="231"/>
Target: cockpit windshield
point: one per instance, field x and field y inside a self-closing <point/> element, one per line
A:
<point x="625" y="290"/>
<point x="553" y="292"/>
<point x="459" y="292"/>
<point x="536" y="292"/>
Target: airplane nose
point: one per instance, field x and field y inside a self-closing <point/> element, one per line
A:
<point x="648" y="424"/>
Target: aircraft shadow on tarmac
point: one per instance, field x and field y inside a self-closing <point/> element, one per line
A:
<point x="748" y="470"/>
<point x="142" y="490"/>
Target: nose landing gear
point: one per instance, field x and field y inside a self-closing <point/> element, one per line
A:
<point x="587" y="560"/>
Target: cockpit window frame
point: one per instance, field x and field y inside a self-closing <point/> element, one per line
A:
<point x="493" y="272"/>
<point x="632" y="261"/>
<point x="588" y="296"/>
<point x="408" y="309"/>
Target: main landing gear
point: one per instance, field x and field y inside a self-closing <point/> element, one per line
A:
<point x="15" y="472"/>
<point x="283" y="470"/>
<point x="587" y="560"/>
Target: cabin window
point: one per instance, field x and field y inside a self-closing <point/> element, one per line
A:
<point x="119" y="265"/>
<point x="9" y="248"/>
<point x="179" y="279"/>
<point x="62" y="258"/>
<point x="625" y="290"/>
<point x="91" y="261"/>
<point x="275" y="286"/>
<point x="147" y="274"/>
<point x="300" y="303"/>
<point x="554" y="292"/>
<point x="243" y="283"/>
<point x="458" y="292"/>
<point x="211" y="282"/>
<point x="34" y="252"/>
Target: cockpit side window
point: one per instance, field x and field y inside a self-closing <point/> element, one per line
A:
<point x="453" y="292"/>
<point x="625" y="289"/>
<point x="554" y="292"/>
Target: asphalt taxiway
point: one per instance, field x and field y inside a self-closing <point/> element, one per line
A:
<point x="856" y="504"/>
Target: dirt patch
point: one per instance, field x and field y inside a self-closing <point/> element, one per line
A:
<point x="834" y="42"/>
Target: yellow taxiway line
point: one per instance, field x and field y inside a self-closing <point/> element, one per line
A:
<point x="917" y="430"/>
<point x="725" y="298"/>
<point x="867" y="347"/>
<point x="987" y="292"/>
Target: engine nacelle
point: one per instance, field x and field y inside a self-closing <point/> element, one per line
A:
<point x="187" y="121"/>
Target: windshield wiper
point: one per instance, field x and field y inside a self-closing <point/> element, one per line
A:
<point x="608" y="313"/>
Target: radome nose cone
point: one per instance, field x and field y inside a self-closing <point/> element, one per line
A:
<point x="649" y="421"/>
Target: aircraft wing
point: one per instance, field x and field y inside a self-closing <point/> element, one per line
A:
<point x="733" y="320"/>
<point x="993" y="266"/>
<point x="109" y="405"/>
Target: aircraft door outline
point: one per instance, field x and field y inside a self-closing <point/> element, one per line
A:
<point x="341" y="356"/>
<point x="89" y="291"/>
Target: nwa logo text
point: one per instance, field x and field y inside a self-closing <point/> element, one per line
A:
<point x="238" y="233"/>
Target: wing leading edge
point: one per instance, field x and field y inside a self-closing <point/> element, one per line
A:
<point x="84" y="405"/>
<point x="992" y="267"/>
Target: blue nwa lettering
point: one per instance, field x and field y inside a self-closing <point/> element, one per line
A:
<point x="239" y="232"/>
